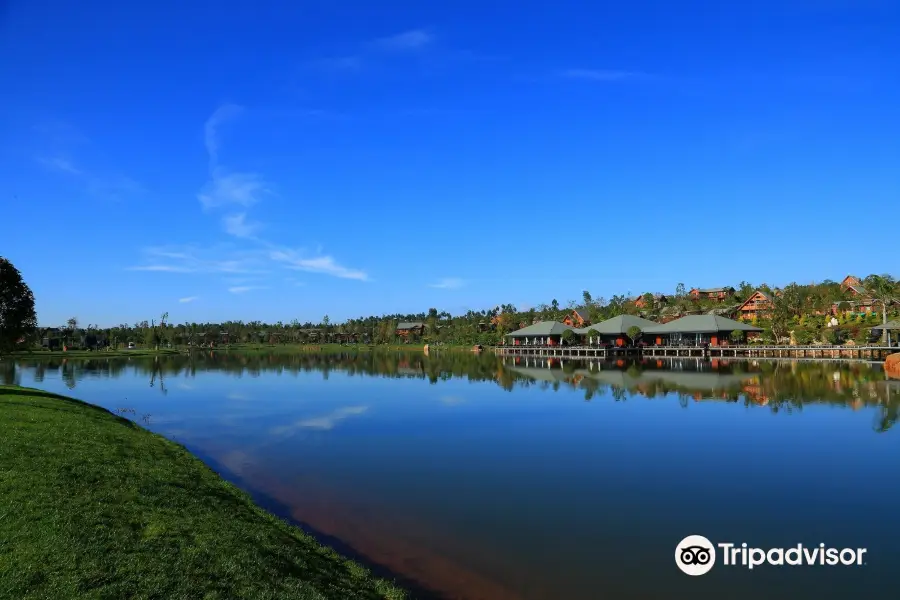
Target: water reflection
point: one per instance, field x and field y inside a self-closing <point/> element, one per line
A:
<point x="501" y="478"/>
<point x="779" y="386"/>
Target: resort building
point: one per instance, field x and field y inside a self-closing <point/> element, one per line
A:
<point x="720" y="294"/>
<point x="545" y="333"/>
<point x="697" y="330"/>
<point x="577" y="318"/>
<point x="891" y="327"/>
<point x="642" y="301"/>
<point x="757" y="305"/>
<point x="405" y="328"/>
<point x="614" y="331"/>
<point x="852" y="285"/>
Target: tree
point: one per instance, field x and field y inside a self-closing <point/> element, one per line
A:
<point x="593" y="333"/>
<point x="17" y="317"/>
<point x="737" y="335"/>
<point x="745" y="290"/>
<point x="882" y="289"/>
<point x="680" y="291"/>
<point x="634" y="332"/>
<point x="588" y="301"/>
<point x="568" y="336"/>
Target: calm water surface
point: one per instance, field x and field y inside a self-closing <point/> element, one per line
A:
<point x="488" y="478"/>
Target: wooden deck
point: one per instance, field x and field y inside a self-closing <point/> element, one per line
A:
<point x="870" y="353"/>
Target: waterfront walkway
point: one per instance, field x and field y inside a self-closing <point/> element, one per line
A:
<point x="801" y="352"/>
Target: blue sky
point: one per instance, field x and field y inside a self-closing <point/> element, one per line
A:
<point x="274" y="160"/>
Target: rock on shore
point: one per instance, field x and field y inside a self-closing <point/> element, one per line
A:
<point x="892" y="365"/>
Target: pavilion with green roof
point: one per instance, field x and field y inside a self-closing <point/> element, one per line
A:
<point x="614" y="331"/>
<point x="698" y="330"/>
<point x="545" y="333"/>
<point x="892" y="328"/>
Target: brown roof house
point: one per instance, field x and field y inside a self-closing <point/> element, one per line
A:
<point x="577" y="318"/>
<point x="407" y="327"/>
<point x="719" y="294"/>
<point x="757" y="305"/>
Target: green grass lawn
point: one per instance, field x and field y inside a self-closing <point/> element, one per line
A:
<point x="94" y="506"/>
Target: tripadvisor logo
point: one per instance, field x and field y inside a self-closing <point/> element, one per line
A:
<point x="696" y="555"/>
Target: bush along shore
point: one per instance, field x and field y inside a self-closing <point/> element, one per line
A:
<point x="94" y="506"/>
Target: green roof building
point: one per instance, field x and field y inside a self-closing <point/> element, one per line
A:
<point x="614" y="331"/>
<point x="545" y="333"/>
<point x="697" y="330"/>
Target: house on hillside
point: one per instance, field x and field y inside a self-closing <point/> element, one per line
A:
<point x="720" y="294"/>
<point x="641" y="301"/>
<point x="698" y="330"/>
<point x="851" y="284"/>
<point x="757" y="305"/>
<point x="577" y="318"/>
<point x="859" y="300"/>
<point x="407" y="327"/>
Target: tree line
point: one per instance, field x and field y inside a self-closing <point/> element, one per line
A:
<point x="799" y="310"/>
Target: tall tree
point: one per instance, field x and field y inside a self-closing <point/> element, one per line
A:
<point x="17" y="317"/>
<point x="884" y="290"/>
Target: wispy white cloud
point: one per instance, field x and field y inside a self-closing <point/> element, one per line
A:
<point x="448" y="283"/>
<point x="188" y="299"/>
<point x="211" y="130"/>
<point x="452" y="400"/>
<point x="195" y="259"/>
<point x="226" y="187"/>
<point x="107" y="187"/>
<point x="237" y="396"/>
<point x="324" y="422"/>
<point x="414" y="39"/>
<point x="326" y="265"/>
<point x="243" y="289"/>
<point x="162" y="268"/>
<point x="238" y="226"/>
<point x="60" y="164"/>
<point x="603" y="75"/>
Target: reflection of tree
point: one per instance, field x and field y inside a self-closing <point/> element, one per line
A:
<point x="886" y="418"/>
<point x="68" y="374"/>
<point x="9" y="375"/>
<point x="156" y="371"/>
<point x="779" y="386"/>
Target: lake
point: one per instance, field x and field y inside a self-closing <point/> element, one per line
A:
<point x="481" y="477"/>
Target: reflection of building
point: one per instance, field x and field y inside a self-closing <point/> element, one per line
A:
<point x="754" y="391"/>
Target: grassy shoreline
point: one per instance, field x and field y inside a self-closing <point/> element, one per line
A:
<point x="92" y="505"/>
<point x="236" y="348"/>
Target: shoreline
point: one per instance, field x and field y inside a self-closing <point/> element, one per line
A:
<point x="235" y="348"/>
<point x="129" y="502"/>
